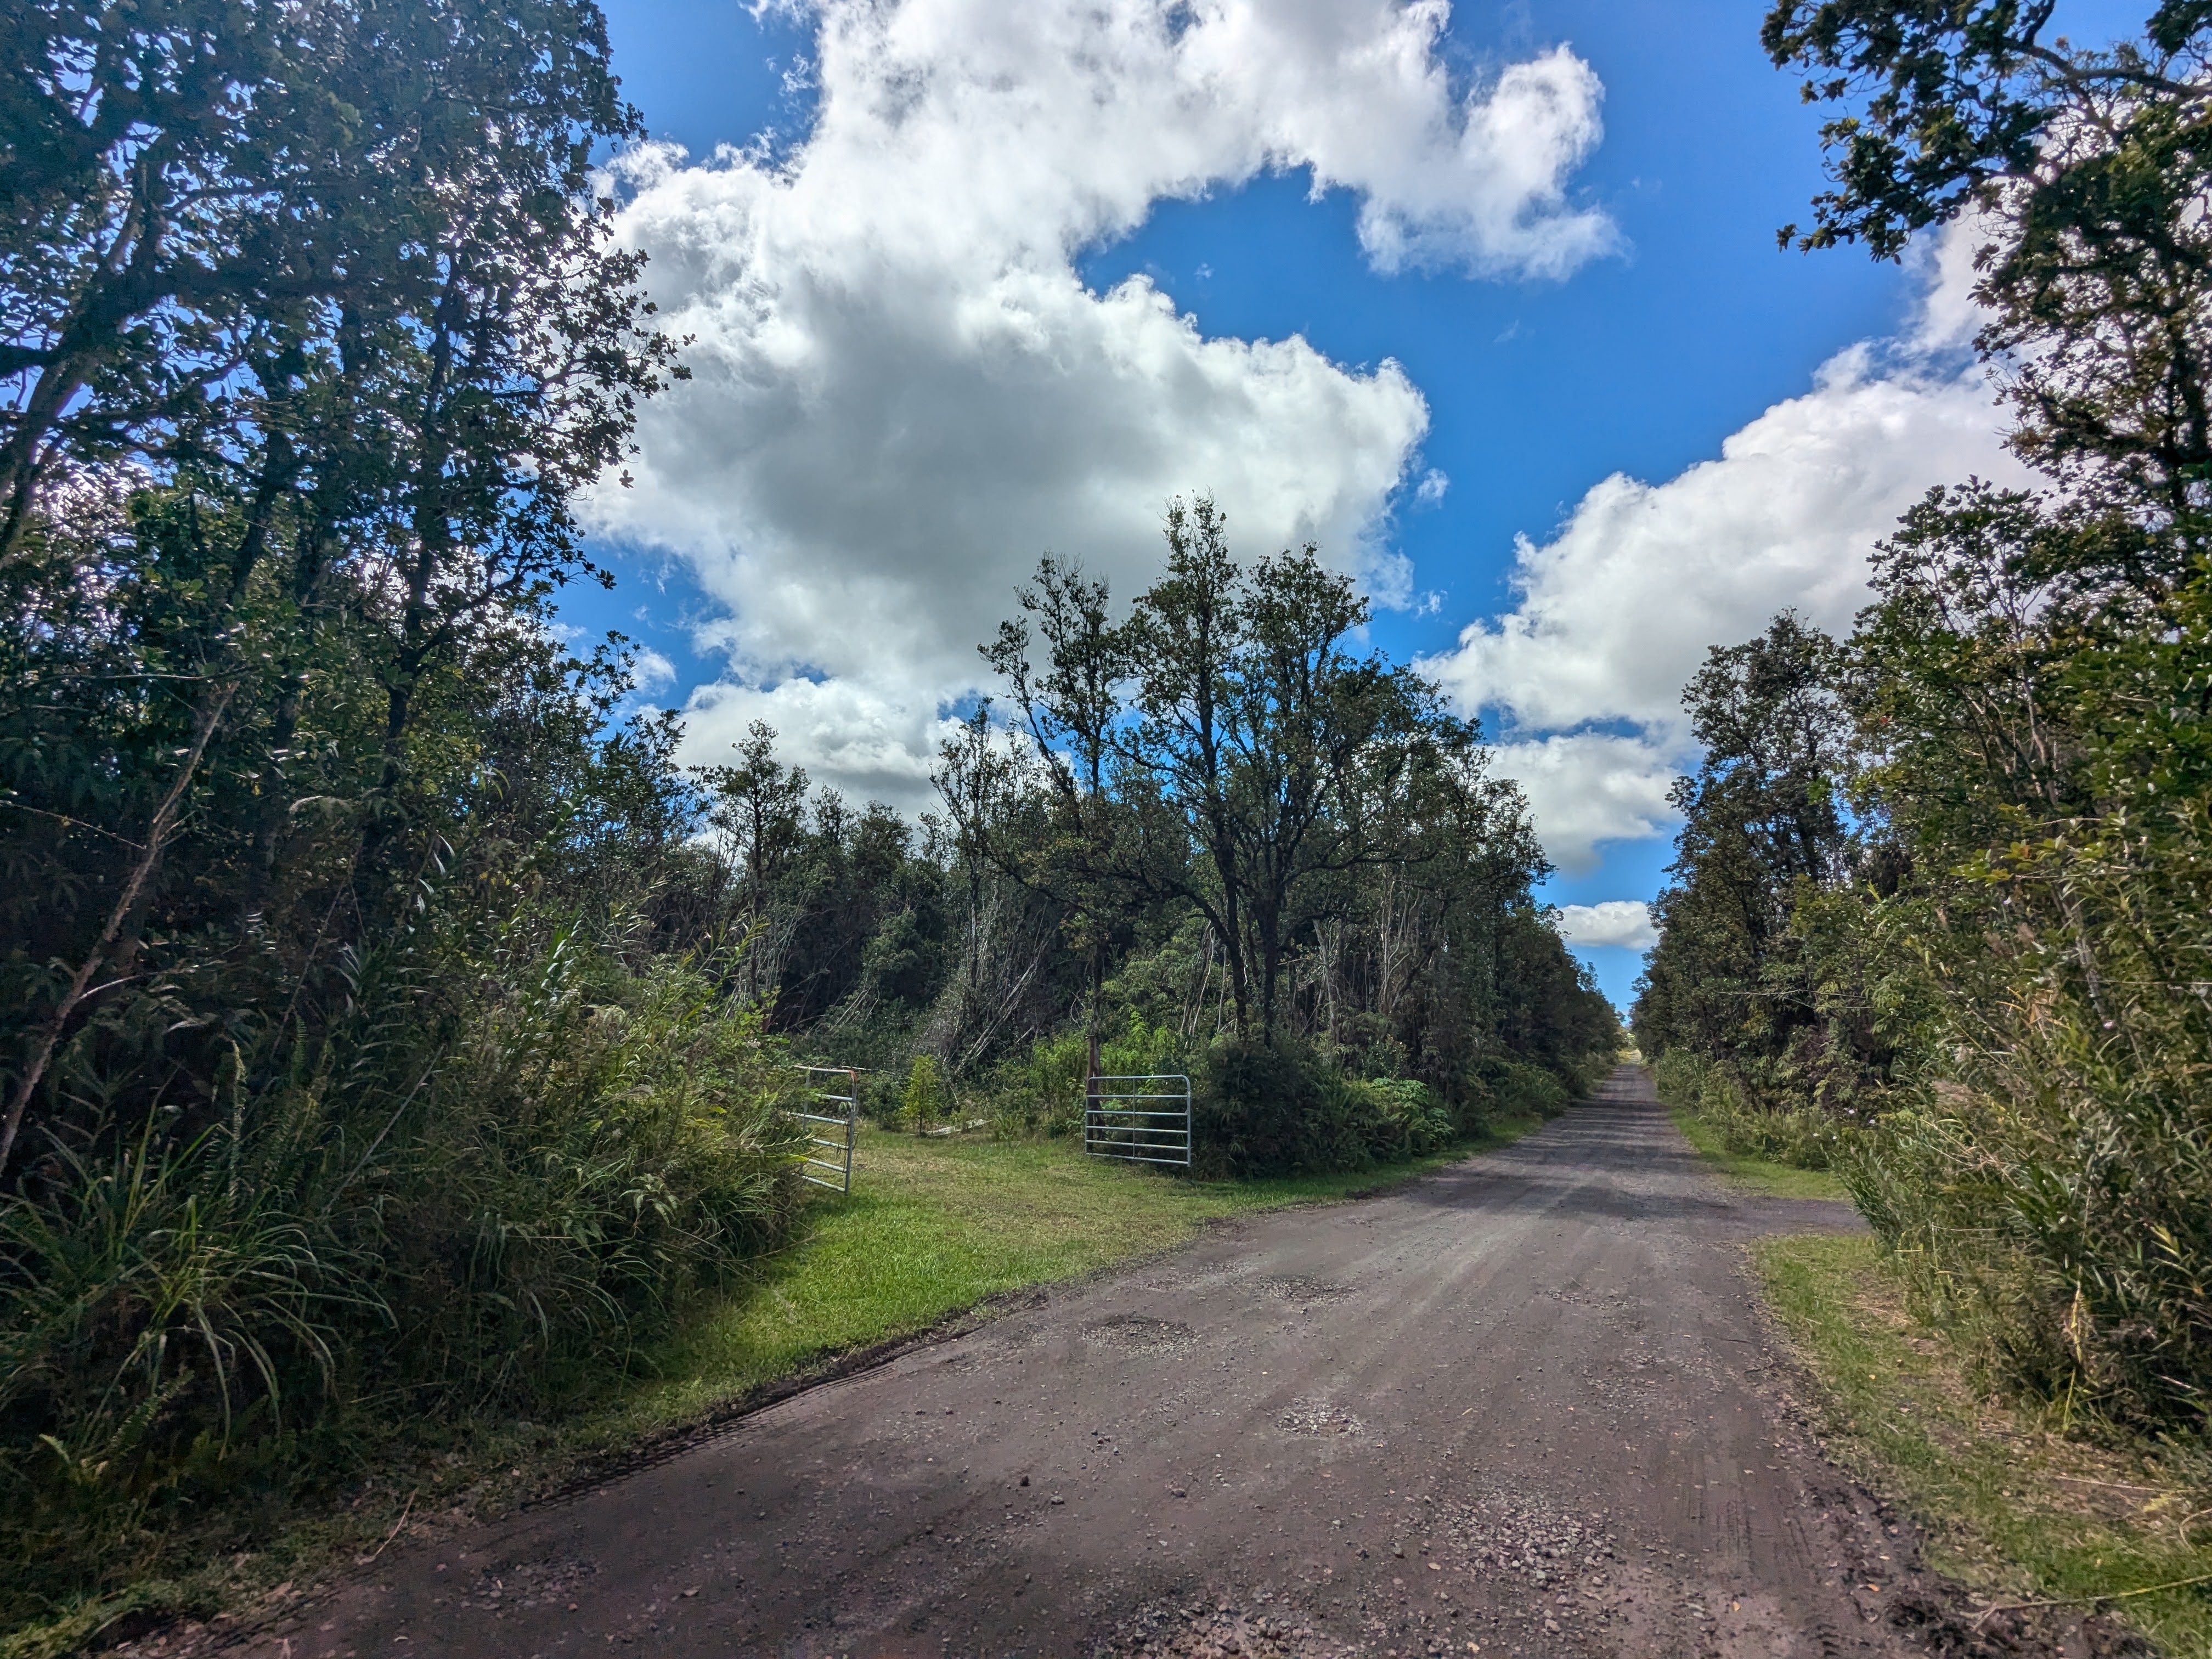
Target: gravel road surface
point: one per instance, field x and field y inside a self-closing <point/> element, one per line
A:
<point x="1525" y="1405"/>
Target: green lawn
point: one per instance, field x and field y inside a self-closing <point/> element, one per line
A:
<point x="1755" y="1173"/>
<point x="2016" y="1511"/>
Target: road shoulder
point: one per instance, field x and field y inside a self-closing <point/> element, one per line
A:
<point x="2014" y="1510"/>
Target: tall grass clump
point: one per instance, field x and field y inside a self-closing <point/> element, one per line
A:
<point x="2054" y="1187"/>
<point x="1799" y="1136"/>
<point x="482" y="1187"/>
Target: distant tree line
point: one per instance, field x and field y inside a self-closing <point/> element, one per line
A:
<point x="1208" y="834"/>
<point x="391" y="1027"/>
<point x="1954" y="874"/>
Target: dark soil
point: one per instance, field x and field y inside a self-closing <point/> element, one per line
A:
<point x="1526" y="1406"/>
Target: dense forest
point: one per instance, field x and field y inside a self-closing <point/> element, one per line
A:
<point x="1941" y="907"/>
<point x="393" y="1026"/>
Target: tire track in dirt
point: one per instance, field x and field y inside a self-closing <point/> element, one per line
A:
<point x="1524" y="1406"/>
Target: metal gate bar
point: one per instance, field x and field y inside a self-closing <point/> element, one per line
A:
<point x="1148" y="1123"/>
<point x="827" y="1158"/>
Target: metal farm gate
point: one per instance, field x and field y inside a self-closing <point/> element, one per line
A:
<point x="1145" y="1121"/>
<point x="830" y="1120"/>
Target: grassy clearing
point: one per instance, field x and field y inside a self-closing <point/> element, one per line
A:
<point x="2014" y="1510"/>
<point x="1755" y="1174"/>
<point x="932" y="1228"/>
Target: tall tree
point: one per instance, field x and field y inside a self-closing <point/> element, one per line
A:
<point x="1069" y="705"/>
<point x="316" y="326"/>
<point x="757" y="806"/>
<point x="2085" y="172"/>
<point x="1762" y="827"/>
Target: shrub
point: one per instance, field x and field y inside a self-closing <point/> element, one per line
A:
<point x="1040" y="1089"/>
<point x="1270" y="1109"/>
<point x="1141" y="1050"/>
<point x="1276" y="1109"/>
<point x="1403" y="1118"/>
<point x="1802" y="1136"/>
<point x="380" y="1221"/>
<point x="924" y="1100"/>
<point x="883" y="1095"/>
<point x="2057" y="1196"/>
<point x="1516" y="1089"/>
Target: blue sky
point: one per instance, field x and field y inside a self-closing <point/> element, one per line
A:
<point x="1527" y="376"/>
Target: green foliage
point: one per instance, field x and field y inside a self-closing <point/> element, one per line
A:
<point x="393" y="1217"/>
<point x="1421" y="1122"/>
<point x="1224" y="749"/>
<point x="2002" y="954"/>
<point x="1278" y="1109"/>
<point x="1516" y="1089"/>
<point x="1742" y="972"/>
<point x="1039" y="1091"/>
<point x="1268" y="1109"/>
<point x="368" y="1053"/>
<point x="1802" y="1138"/>
<point x="2088" y="167"/>
<point x="925" y="1101"/>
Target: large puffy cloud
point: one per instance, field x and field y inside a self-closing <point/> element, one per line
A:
<point x="1585" y="787"/>
<point x="1623" y="922"/>
<point x="902" y="392"/>
<point x="1616" y="610"/>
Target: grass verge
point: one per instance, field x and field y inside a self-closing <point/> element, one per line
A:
<point x="1755" y="1174"/>
<point x="932" y="1228"/>
<point x="2016" y="1510"/>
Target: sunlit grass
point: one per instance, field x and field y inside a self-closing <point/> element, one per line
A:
<point x="2016" y="1511"/>
<point x="1755" y="1175"/>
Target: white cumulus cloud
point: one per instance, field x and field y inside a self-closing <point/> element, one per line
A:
<point x="1584" y="787"/>
<point x="904" y="392"/>
<point x="652" y="670"/>
<point x="1615" y="611"/>
<point x="1625" y="922"/>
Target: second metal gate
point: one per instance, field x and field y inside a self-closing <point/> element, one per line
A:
<point x="1144" y="1119"/>
<point x="830" y="1120"/>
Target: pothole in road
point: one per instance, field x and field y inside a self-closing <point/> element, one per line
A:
<point x="1135" y="1334"/>
<point x="1319" y="1418"/>
<point x="1302" y="1292"/>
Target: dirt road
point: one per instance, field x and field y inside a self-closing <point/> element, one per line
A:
<point x="1524" y="1406"/>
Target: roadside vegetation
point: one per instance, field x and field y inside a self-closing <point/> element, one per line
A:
<point x="1941" y="912"/>
<point x="2020" y="1505"/>
<point x="935" y="1227"/>
<point x="396" y="1036"/>
<point x="1747" y="1170"/>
